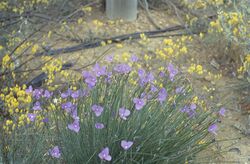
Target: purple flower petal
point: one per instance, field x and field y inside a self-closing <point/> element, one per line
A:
<point x="179" y="90"/>
<point x="213" y="128"/>
<point x="141" y="73"/>
<point x="139" y="103"/>
<point x="66" y="94"/>
<point x="153" y="88"/>
<point x="47" y="94"/>
<point x="29" y="90"/>
<point x="109" y="58"/>
<point x="161" y="74"/>
<point x="75" y="126"/>
<point x="55" y="152"/>
<point x="90" y="79"/>
<point x="108" y="78"/>
<point x="222" y="111"/>
<point x="162" y="95"/>
<point x="122" y="68"/>
<point x="193" y="106"/>
<point x="37" y="93"/>
<point x="104" y="154"/>
<point x="37" y="106"/>
<point x="46" y="120"/>
<point x="32" y="117"/>
<point x="99" y="125"/>
<point x="98" y="70"/>
<point x="124" y="113"/>
<point x="134" y="58"/>
<point x="150" y="78"/>
<point x="172" y="71"/>
<point x="74" y="112"/>
<point x="67" y="106"/>
<point x="75" y="94"/>
<point x="97" y="109"/>
<point x="126" y="144"/>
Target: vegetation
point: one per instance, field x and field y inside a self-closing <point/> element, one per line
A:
<point x="121" y="108"/>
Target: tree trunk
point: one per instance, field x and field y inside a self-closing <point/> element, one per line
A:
<point x="122" y="9"/>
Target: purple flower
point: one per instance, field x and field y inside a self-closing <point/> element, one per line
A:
<point x="32" y="117"/>
<point x="109" y="58"/>
<point x="179" y="90"/>
<point x="75" y="94"/>
<point x="99" y="71"/>
<point x="74" y="112"/>
<point x="66" y="94"/>
<point x="83" y="92"/>
<point x="67" y="106"/>
<point x="172" y="71"/>
<point x="47" y="94"/>
<point x="153" y="88"/>
<point x="189" y="110"/>
<point x="162" y="95"/>
<point x="149" y="96"/>
<point x="185" y="109"/>
<point x="108" y="78"/>
<point x="99" y="125"/>
<point x="145" y="78"/>
<point x="46" y="120"/>
<point x="122" y="68"/>
<point x="126" y="144"/>
<point x="222" y="111"/>
<point x="124" y="113"/>
<point x="29" y="90"/>
<point x="162" y="74"/>
<point x="134" y="58"/>
<point x="104" y="154"/>
<point x="55" y="152"/>
<point x="97" y="109"/>
<point x="37" y="93"/>
<point x="193" y="106"/>
<point x="37" y="106"/>
<point x="141" y="73"/>
<point x="213" y="128"/>
<point x="90" y="79"/>
<point x="149" y="78"/>
<point x="75" y="126"/>
<point x="139" y="103"/>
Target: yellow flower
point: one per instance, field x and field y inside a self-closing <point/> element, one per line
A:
<point x="169" y="50"/>
<point x="248" y="58"/>
<point x="191" y="69"/>
<point x="168" y="42"/>
<point x="125" y="56"/>
<point x="201" y="35"/>
<point x="103" y="43"/>
<point x="97" y="23"/>
<point x="183" y="50"/>
<point x="119" y="45"/>
<point x="201" y="142"/>
<point x="34" y="48"/>
<point x="199" y="69"/>
<point x="147" y="57"/>
<point x="80" y="20"/>
<point x="49" y="34"/>
<point x="6" y="60"/>
<point x="109" y="41"/>
<point x="87" y="9"/>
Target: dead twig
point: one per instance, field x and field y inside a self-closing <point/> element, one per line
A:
<point x="115" y="39"/>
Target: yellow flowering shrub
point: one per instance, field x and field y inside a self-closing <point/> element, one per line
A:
<point x="51" y="67"/>
<point x="15" y="105"/>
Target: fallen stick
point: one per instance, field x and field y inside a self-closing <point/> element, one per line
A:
<point x="115" y="39"/>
